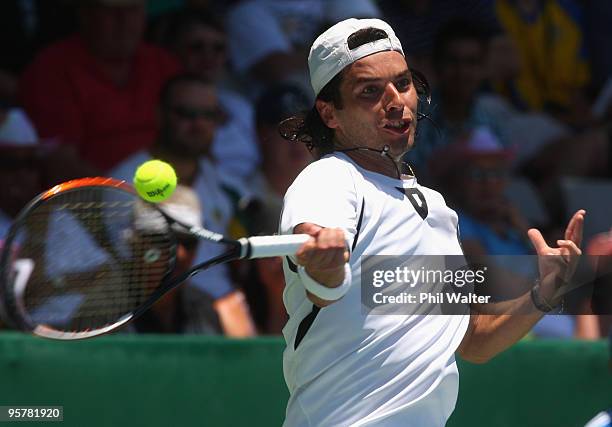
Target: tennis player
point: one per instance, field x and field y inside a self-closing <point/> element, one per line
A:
<point x="344" y="367"/>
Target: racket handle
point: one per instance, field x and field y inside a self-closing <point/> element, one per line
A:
<point x="271" y="246"/>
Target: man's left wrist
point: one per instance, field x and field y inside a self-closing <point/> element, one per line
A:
<point x="541" y="303"/>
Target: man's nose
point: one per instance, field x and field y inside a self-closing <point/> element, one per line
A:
<point x="392" y="99"/>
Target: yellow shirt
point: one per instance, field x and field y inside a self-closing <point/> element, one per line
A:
<point x="550" y="44"/>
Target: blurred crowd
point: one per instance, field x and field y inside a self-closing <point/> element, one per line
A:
<point x="518" y="132"/>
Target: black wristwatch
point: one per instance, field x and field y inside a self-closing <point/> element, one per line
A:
<point x="539" y="302"/>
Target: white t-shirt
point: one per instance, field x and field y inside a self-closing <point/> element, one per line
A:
<point x="352" y="368"/>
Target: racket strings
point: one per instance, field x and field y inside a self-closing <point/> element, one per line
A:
<point x="92" y="264"/>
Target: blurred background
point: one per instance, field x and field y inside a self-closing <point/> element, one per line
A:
<point x="518" y="135"/>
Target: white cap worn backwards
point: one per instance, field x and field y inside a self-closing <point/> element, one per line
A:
<point x="330" y="53"/>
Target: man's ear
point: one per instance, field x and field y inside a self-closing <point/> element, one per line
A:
<point x="327" y="111"/>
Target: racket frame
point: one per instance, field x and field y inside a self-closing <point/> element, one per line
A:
<point x="253" y="247"/>
<point x="14" y="308"/>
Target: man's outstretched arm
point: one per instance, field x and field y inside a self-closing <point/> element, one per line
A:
<point x="490" y="334"/>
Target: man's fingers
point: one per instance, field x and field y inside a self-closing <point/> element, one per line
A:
<point x="570" y="246"/>
<point x="326" y="250"/>
<point x="330" y="238"/>
<point x="305" y="252"/>
<point x="575" y="227"/>
<point x="330" y="249"/>
<point x="538" y="241"/>
<point x="326" y="260"/>
<point x="307" y="228"/>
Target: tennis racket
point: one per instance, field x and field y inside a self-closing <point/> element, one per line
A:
<point x="88" y="256"/>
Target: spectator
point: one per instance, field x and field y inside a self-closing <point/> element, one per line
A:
<point x="189" y="113"/>
<point x="269" y="39"/>
<point x="554" y="68"/>
<point x="418" y="21"/>
<point x="19" y="169"/>
<point x="545" y="148"/>
<point x="27" y="167"/>
<point x="474" y="174"/>
<point x="282" y="162"/>
<point x="22" y="179"/>
<point x="97" y="90"/>
<point x="199" y="41"/>
<point x="459" y="58"/>
<point x="187" y="308"/>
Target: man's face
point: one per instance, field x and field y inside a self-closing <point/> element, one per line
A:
<point x="379" y="104"/>
<point x="202" y="51"/>
<point x="113" y="32"/>
<point x="460" y="72"/>
<point x="189" y="120"/>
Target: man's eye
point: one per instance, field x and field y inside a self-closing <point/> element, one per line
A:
<point x="403" y="84"/>
<point x="369" y="90"/>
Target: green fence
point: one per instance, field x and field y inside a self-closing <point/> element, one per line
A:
<point x="202" y="381"/>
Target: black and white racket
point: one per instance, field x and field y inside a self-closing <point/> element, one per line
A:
<point x="86" y="257"/>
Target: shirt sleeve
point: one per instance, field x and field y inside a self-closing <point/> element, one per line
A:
<point x="323" y="194"/>
<point x="254" y="33"/>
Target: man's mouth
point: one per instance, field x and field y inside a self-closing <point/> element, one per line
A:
<point x="398" y="126"/>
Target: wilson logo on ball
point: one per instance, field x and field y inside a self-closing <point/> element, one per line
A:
<point x="158" y="191"/>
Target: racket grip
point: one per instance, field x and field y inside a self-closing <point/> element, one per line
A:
<point x="271" y="246"/>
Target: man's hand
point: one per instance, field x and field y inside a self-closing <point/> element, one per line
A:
<point x="489" y="335"/>
<point x="323" y="256"/>
<point x="557" y="270"/>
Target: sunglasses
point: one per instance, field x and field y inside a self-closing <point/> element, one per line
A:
<point x="216" y="115"/>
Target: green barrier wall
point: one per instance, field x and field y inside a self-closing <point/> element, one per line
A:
<point x="203" y="381"/>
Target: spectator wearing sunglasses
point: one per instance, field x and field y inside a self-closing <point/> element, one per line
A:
<point x="189" y="114"/>
<point x="475" y="170"/>
<point x="198" y="39"/>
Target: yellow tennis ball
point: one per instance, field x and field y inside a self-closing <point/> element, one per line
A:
<point x="155" y="181"/>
